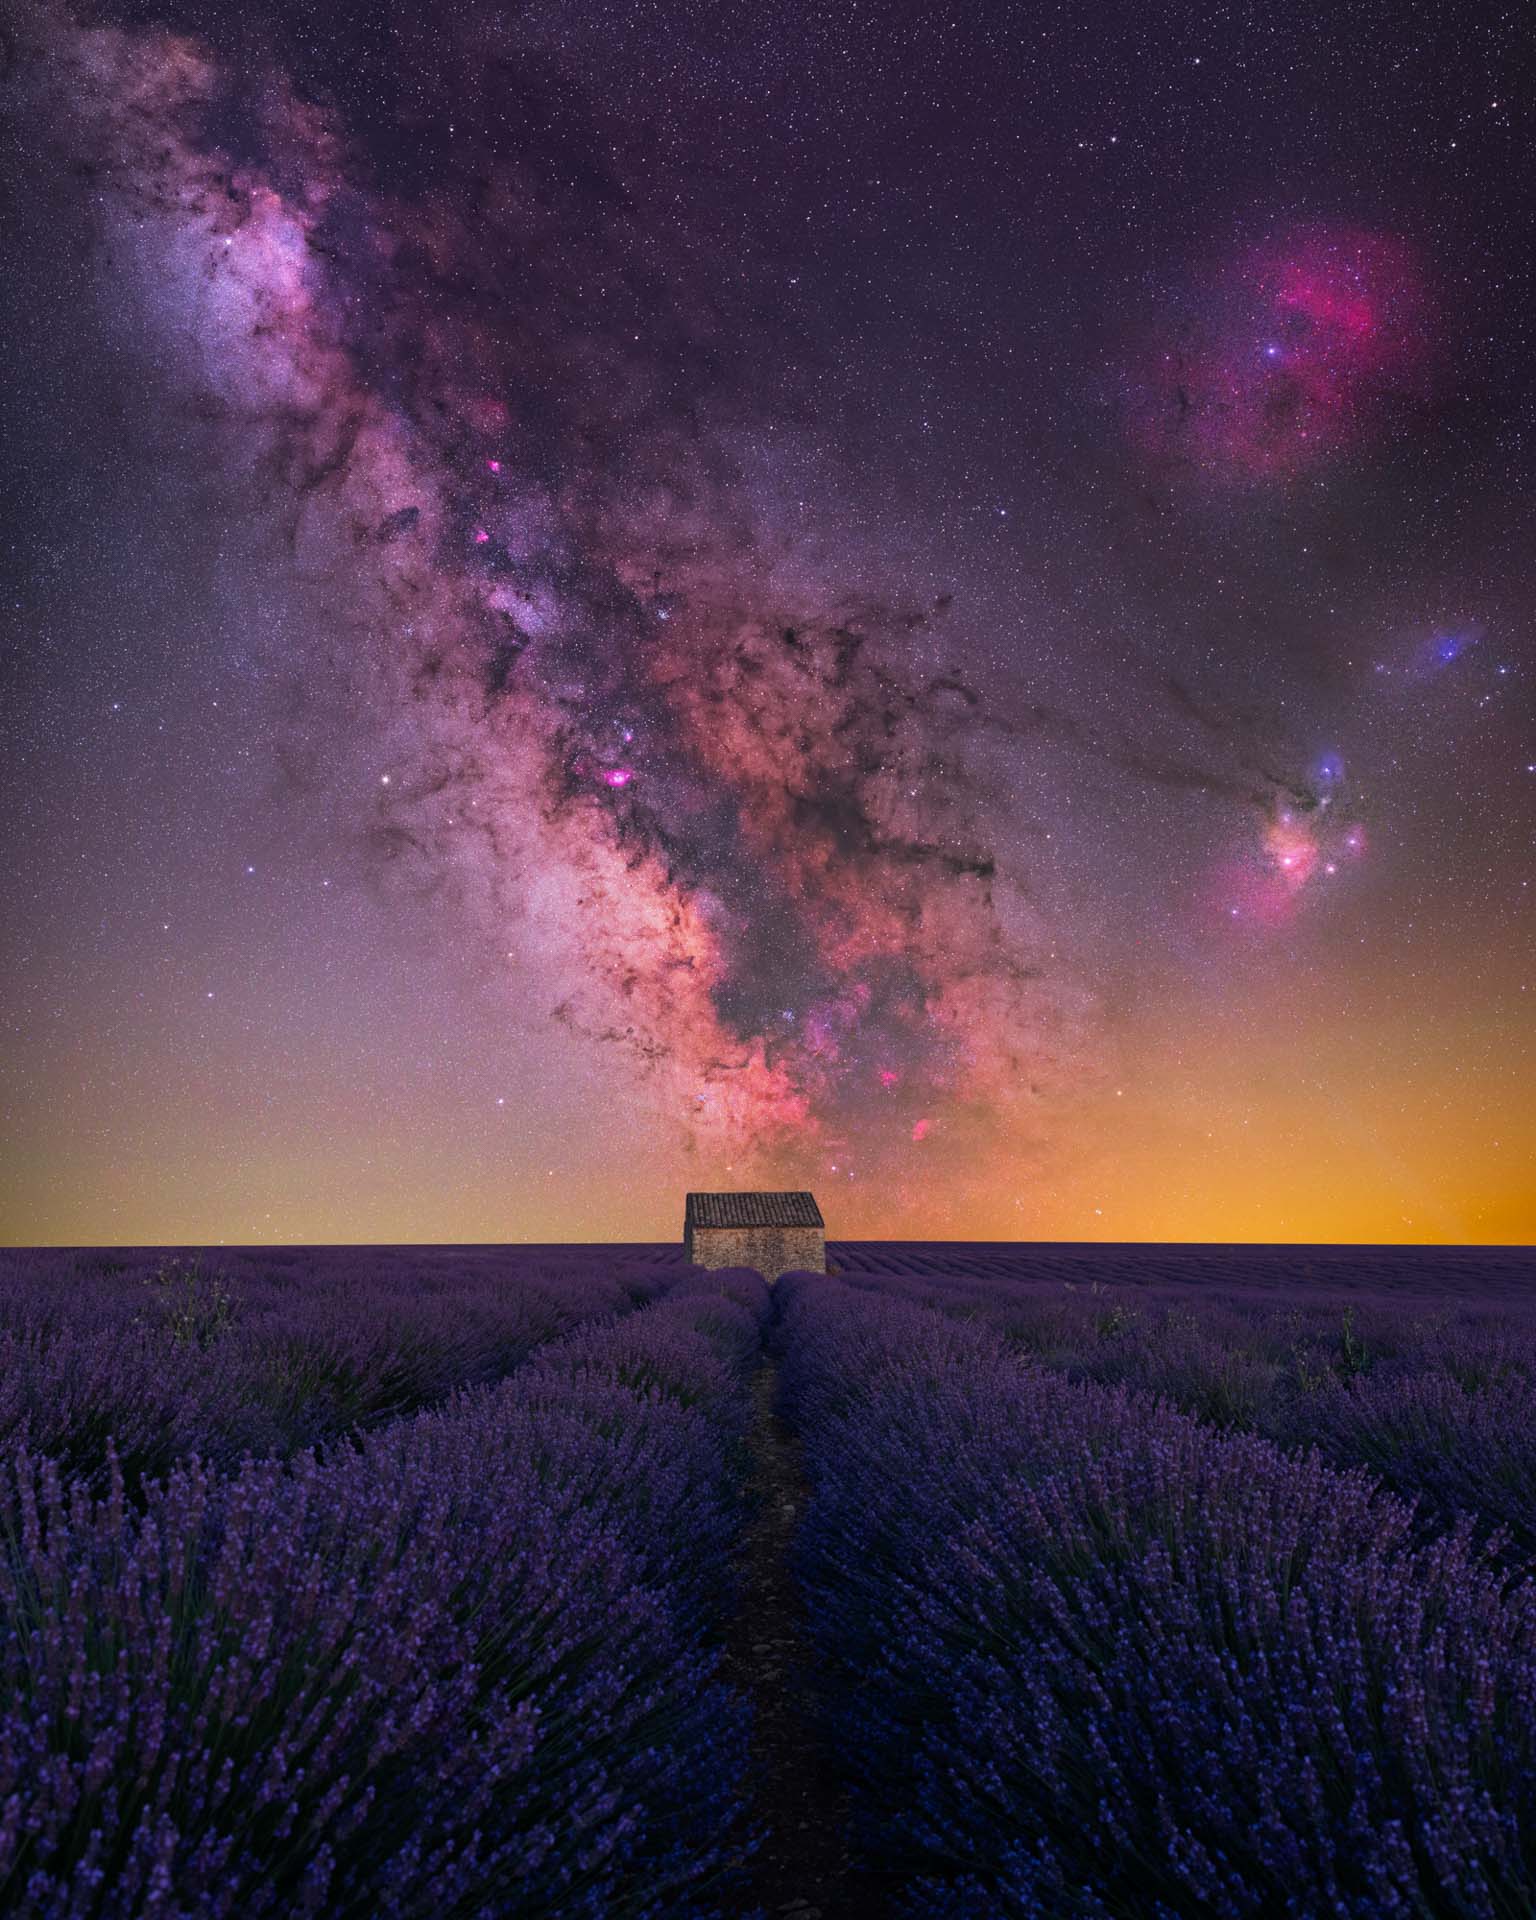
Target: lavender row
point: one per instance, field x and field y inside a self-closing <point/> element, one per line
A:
<point x="161" y="1355"/>
<point x="1084" y="1655"/>
<point x="467" y="1668"/>
<point x="1441" y="1405"/>
<point x="1433" y="1274"/>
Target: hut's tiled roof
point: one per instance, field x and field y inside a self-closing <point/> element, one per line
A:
<point x="753" y="1210"/>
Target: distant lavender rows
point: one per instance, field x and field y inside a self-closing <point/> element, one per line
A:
<point x="1436" y="1395"/>
<point x="166" y="1354"/>
<point x="1436" y="1275"/>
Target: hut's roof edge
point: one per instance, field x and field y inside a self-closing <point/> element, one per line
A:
<point x="753" y="1210"/>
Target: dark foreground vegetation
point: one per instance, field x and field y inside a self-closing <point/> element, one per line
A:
<point x="424" y="1582"/>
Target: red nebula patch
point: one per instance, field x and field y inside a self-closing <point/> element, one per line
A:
<point x="1299" y="352"/>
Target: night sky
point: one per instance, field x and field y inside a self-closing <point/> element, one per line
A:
<point x="927" y="602"/>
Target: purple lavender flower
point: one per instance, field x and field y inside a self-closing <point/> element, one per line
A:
<point x="1083" y="1654"/>
<point x="467" y="1664"/>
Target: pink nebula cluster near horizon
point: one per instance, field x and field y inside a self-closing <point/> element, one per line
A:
<point x="1296" y="852"/>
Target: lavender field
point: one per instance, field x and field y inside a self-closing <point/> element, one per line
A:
<point x="963" y="1581"/>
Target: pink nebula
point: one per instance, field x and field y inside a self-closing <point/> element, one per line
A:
<point x="1300" y="351"/>
<point x="1292" y="850"/>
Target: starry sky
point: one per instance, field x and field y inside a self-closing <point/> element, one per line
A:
<point x="930" y="602"/>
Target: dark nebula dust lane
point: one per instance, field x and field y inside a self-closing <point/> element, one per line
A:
<point x="593" y="630"/>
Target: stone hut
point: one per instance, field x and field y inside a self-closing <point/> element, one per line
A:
<point x="774" y="1232"/>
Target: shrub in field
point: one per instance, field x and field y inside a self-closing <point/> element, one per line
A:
<point x="195" y="1304"/>
<point x="1129" y="1665"/>
<point x="463" y="1668"/>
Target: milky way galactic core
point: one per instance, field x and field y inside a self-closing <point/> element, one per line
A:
<point x="573" y="634"/>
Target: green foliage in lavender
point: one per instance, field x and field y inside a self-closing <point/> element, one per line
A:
<point x="195" y="1304"/>
<point x="1085" y="1655"/>
<point x="466" y="1666"/>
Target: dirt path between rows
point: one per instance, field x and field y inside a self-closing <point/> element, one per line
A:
<point x="803" y="1870"/>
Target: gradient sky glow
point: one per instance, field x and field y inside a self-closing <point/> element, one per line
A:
<point x="930" y="603"/>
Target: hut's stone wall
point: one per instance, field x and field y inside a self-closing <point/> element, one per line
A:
<point x="771" y="1250"/>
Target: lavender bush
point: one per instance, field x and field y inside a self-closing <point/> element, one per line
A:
<point x="1462" y="1451"/>
<point x="1439" y="1402"/>
<point x="465" y="1667"/>
<point x="1087" y="1656"/>
<point x="391" y="1582"/>
<point x="165" y="1355"/>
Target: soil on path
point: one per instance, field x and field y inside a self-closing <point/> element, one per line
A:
<point x="803" y="1870"/>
